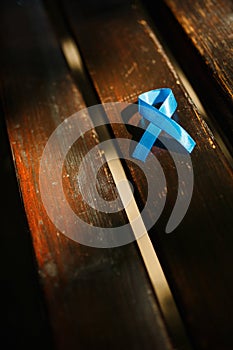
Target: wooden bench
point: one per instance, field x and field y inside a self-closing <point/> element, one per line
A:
<point x="56" y="293"/>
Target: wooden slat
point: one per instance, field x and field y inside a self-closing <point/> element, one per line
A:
<point x="23" y="312"/>
<point x="96" y="298"/>
<point x="125" y="59"/>
<point x="200" y="35"/>
<point x="210" y="27"/>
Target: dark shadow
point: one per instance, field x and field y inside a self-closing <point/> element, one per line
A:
<point x="138" y="131"/>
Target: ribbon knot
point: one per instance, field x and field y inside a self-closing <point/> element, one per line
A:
<point x="160" y="119"/>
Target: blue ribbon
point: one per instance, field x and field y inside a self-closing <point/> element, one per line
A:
<point x="160" y="119"/>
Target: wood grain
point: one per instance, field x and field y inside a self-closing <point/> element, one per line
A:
<point x="124" y="59"/>
<point x="209" y="26"/>
<point x="199" y="34"/>
<point x="96" y="298"/>
<point x="23" y="311"/>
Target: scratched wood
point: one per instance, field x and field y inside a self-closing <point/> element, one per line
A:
<point x="21" y="299"/>
<point x="209" y="26"/>
<point x="96" y="298"/>
<point x="125" y="59"/>
<point x="200" y="36"/>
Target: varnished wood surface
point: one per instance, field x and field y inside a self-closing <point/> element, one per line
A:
<point x="125" y="59"/>
<point x="102" y="298"/>
<point x="200" y="36"/>
<point x="210" y="27"/>
<point x="96" y="298"/>
<point x="23" y="311"/>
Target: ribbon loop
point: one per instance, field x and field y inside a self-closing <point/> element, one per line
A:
<point x="160" y="119"/>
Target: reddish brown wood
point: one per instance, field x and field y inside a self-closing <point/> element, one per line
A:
<point x="209" y="26"/>
<point x="199" y="34"/>
<point x="124" y="59"/>
<point x="96" y="298"/>
<point x="23" y="311"/>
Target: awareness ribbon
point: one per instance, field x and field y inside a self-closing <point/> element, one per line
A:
<point x="160" y="119"/>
